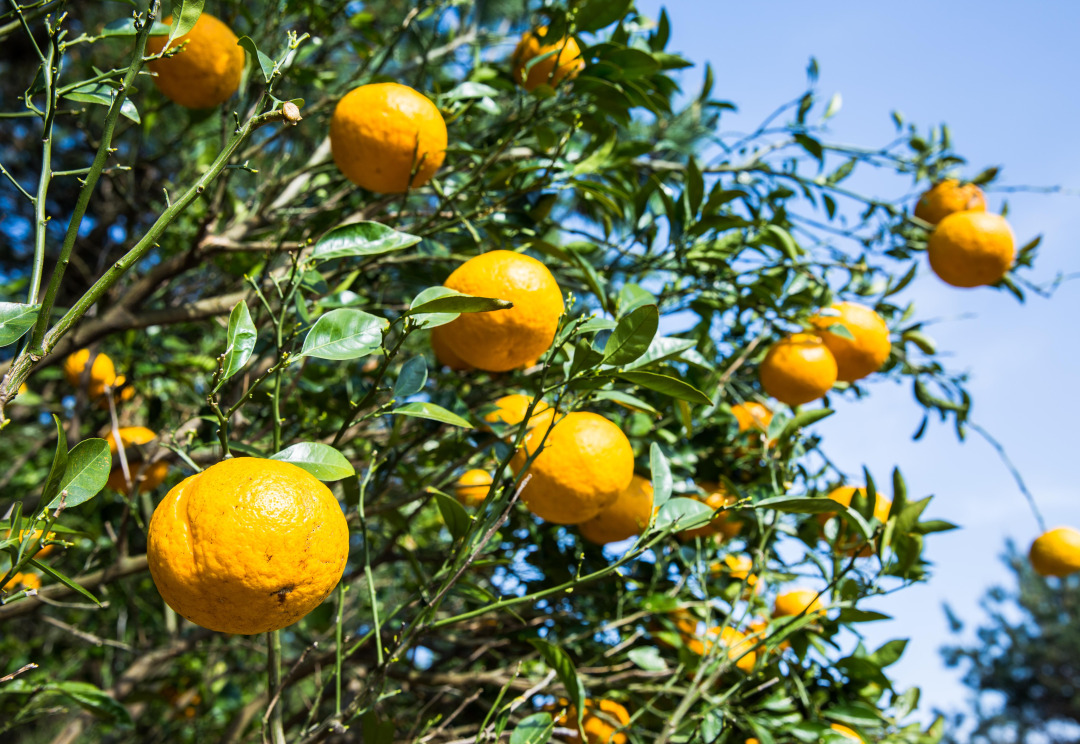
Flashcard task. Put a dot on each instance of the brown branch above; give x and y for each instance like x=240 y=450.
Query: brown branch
x=124 y=567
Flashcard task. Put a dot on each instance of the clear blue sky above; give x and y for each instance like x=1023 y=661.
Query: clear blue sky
x=1002 y=75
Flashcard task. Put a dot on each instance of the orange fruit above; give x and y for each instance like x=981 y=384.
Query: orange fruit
x=949 y=196
x=472 y=487
x=851 y=543
x=22 y=580
x=849 y=733
x=723 y=524
x=102 y=371
x=798 y=601
x=855 y=358
x=35 y=535
x=752 y=741
x=564 y=62
x=625 y=517
x=383 y=132
x=502 y=340
x=751 y=414
x=247 y=546
x=600 y=721
x=1056 y=553
x=584 y=465
x=444 y=355
x=510 y=410
x=735 y=641
x=738 y=567
x=206 y=70
x=971 y=249
x=151 y=475
x=798 y=369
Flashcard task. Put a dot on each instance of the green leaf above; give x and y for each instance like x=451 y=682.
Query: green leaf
x=454 y=515
x=432 y=412
x=432 y=320
x=344 y=334
x=805 y=505
x=536 y=729
x=648 y=658
x=780 y=238
x=241 y=342
x=686 y=513
x=661 y=347
x=851 y=615
x=361 y=239
x=597 y=14
x=560 y=661
x=85 y=474
x=933 y=525
x=457 y=303
x=64 y=579
x=93 y=700
x=59 y=463
x=803 y=419
x=661 y=475
x=185 y=13
x=669 y=386
x=841 y=330
x=15 y=320
x=626 y=400
x=321 y=460
x=632 y=336
x=889 y=653
x=411 y=379
x=126 y=27
x=265 y=63
x=104 y=95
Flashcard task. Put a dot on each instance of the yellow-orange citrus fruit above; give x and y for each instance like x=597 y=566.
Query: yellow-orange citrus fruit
x=502 y=340
x=738 y=567
x=563 y=63
x=798 y=369
x=949 y=196
x=383 y=132
x=751 y=415
x=247 y=546
x=600 y=721
x=584 y=465
x=151 y=475
x=752 y=741
x=510 y=410
x=1056 y=553
x=34 y=535
x=723 y=524
x=472 y=487
x=737 y=645
x=845 y=731
x=625 y=517
x=971 y=249
x=851 y=543
x=867 y=351
x=796 y=601
x=102 y=371
x=207 y=69
x=444 y=355
x=22 y=580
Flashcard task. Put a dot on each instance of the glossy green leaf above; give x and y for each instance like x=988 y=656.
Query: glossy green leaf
x=240 y=341
x=632 y=336
x=361 y=239
x=669 y=386
x=662 y=480
x=411 y=379
x=802 y=420
x=457 y=303
x=454 y=515
x=432 y=412
x=85 y=474
x=59 y=463
x=648 y=658
x=560 y=661
x=344 y=334
x=15 y=320
x=535 y=729
x=95 y=701
x=185 y=13
x=266 y=65
x=321 y=460
x=661 y=347
x=597 y=14
x=64 y=579
x=683 y=513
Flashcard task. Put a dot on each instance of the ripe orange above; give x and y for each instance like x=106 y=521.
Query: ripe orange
x=736 y=643
x=151 y=475
x=502 y=340
x=247 y=546
x=600 y=721
x=972 y=249
x=738 y=567
x=586 y=462
x=383 y=132
x=851 y=543
x=798 y=369
x=510 y=410
x=796 y=602
x=472 y=487
x=207 y=69
x=949 y=196
x=1056 y=553
x=625 y=517
x=102 y=371
x=564 y=63
x=846 y=731
x=723 y=524
x=22 y=580
x=444 y=355
x=751 y=414
x=855 y=358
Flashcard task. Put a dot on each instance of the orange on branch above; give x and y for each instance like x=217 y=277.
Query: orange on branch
x=206 y=70
x=1056 y=552
x=947 y=197
x=972 y=249
x=865 y=353
x=563 y=62
x=625 y=517
x=798 y=369
x=472 y=487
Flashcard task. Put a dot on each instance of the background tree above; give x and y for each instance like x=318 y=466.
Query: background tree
x=203 y=251
x=1023 y=670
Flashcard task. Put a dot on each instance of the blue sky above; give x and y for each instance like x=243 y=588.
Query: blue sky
x=1001 y=75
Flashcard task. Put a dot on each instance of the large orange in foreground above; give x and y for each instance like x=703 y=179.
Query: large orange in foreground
x=972 y=249
x=863 y=354
x=502 y=340
x=947 y=197
x=247 y=546
x=584 y=465
x=207 y=69
x=382 y=133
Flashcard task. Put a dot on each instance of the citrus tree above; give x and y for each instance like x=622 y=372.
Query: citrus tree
x=479 y=308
